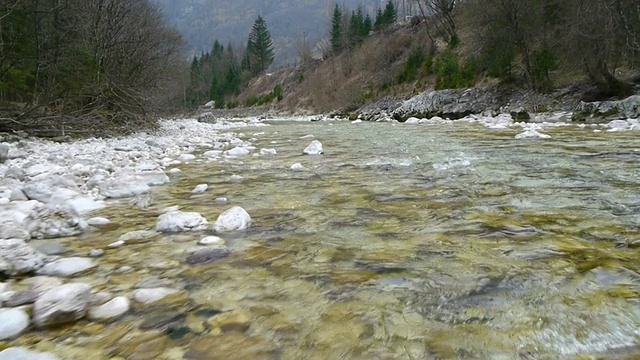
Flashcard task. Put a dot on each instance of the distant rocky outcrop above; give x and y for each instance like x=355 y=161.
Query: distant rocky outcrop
x=628 y=108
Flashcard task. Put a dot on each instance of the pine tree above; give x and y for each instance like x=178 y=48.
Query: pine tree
x=260 y=46
x=390 y=14
x=336 y=30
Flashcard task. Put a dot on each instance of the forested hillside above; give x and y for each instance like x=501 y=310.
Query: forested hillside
x=203 y=21
x=106 y=63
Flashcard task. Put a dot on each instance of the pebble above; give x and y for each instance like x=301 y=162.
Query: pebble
x=94 y=253
x=211 y=240
x=115 y=245
x=201 y=188
x=98 y=221
x=112 y=309
x=298 y=167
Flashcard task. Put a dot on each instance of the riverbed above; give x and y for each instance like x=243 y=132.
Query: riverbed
x=402 y=241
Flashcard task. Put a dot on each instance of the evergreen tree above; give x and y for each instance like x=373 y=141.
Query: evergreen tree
x=367 y=26
x=336 y=30
x=378 y=24
x=390 y=14
x=260 y=46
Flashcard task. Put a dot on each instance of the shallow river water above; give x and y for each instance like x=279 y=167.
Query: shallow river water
x=400 y=242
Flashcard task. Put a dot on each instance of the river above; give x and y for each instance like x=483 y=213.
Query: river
x=433 y=241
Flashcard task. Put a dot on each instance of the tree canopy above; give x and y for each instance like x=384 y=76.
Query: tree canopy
x=260 y=46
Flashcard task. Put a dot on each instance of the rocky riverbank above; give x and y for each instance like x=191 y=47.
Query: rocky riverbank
x=48 y=191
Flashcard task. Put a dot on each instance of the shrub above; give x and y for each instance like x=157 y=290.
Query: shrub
x=450 y=74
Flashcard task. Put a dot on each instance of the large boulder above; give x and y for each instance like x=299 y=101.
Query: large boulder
x=54 y=221
x=234 y=219
x=178 y=221
x=450 y=103
x=628 y=108
x=62 y=305
x=17 y=258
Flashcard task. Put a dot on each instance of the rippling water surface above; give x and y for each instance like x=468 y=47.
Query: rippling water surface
x=401 y=242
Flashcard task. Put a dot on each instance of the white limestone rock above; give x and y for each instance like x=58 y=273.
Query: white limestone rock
x=238 y=152
x=211 y=241
x=298 y=167
x=178 y=221
x=67 y=267
x=61 y=305
x=124 y=187
x=268 y=152
x=532 y=134
x=48 y=221
x=19 y=353
x=110 y=310
x=13 y=322
x=200 y=189
x=315 y=148
x=98 y=221
x=185 y=158
x=151 y=295
x=154 y=178
x=412 y=121
x=17 y=258
x=234 y=219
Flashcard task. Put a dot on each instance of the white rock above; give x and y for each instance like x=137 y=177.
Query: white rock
x=307 y=137
x=84 y=204
x=16 y=257
x=147 y=296
x=199 y=189
x=187 y=158
x=357 y=121
x=221 y=200
x=137 y=236
x=268 y=152
x=154 y=178
x=12 y=323
x=212 y=153
x=315 y=148
x=98 y=221
x=175 y=171
x=112 y=309
x=237 y=152
x=532 y=134
x=234 y=219
x=211 y=240
x=618 y=125
x=412 y=120
x=62 y=304
x=115 y=245
x=18 y=353
x=298 y=167
x=124 y=187
x=94 y=253
x=178 y=221
x=52 y=221
x=41 y=284
x=67 y=267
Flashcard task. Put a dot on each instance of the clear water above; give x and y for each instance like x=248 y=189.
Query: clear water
x=401 y=242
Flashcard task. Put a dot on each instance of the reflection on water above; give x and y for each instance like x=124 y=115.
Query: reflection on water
x=408 y=242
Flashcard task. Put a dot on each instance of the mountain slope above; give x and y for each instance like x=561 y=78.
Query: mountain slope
x=203 y=21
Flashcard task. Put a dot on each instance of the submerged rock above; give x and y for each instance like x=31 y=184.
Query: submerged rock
x=234 y=219
x=207 y=256
x=151 y=295
x=238 y=152
x=12 y=323
x=315 y=148
x=298 y=167
x=178 y=221
x=211 y=240
x=61 y=305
